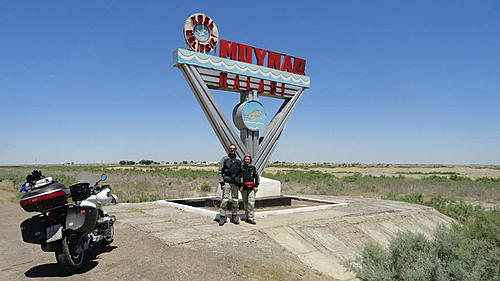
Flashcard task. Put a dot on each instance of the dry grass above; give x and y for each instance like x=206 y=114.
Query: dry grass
x=7 y=191
x=134 y=184
x=468 y=171
x=146 y=183
x=375 y=187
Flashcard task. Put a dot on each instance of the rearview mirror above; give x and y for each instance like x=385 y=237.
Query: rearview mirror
x=104 y=177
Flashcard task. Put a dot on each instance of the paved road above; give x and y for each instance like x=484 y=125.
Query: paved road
x=134 y=256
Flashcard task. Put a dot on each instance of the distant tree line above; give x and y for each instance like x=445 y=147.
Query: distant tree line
x=148 y=162
x=152 y=162
x=142 y=162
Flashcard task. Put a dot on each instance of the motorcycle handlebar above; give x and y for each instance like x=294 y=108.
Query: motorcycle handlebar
x=98 y=188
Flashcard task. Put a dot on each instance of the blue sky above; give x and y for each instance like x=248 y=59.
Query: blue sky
x=392 y=81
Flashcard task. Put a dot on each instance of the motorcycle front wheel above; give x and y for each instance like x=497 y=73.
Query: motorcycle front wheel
x=70 y=255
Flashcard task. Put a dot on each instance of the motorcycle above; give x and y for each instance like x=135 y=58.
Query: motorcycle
x=67 y=228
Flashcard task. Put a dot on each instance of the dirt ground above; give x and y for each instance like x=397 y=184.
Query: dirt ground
x=135 y=255
x=132 y=257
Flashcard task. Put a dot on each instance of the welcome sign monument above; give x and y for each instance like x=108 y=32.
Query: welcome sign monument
x=252 y=72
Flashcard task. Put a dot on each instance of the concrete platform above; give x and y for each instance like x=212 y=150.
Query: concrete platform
x=321 y=239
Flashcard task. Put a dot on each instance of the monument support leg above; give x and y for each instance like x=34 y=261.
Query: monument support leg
x=213 y=112
x=250 y=138
x=274 y=130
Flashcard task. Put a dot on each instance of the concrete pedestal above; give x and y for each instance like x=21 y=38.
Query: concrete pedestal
x=267 y=188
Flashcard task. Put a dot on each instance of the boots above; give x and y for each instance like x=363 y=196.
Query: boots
x=222 y=220
x=235 y=219
x=250 y=221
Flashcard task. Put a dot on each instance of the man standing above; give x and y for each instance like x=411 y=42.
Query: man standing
x=230 y=180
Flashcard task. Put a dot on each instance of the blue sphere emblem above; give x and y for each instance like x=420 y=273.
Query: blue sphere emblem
x=254 y=116
x=201 y=32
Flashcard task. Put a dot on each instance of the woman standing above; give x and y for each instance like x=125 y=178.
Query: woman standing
x=250 y=186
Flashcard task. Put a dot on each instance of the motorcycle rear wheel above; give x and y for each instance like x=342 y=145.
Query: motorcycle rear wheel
x=68 y=255
x=109 y=235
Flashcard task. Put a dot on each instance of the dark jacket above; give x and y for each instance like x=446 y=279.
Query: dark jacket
x=230 y=170
x=249 y=174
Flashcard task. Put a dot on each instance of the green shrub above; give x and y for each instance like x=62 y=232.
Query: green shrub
x=17 y=179
x=375 y=264
x=456 y=209
x=450 y=255
x=205 y=187
x=467 y=251
x=316 y=182
x=353 y=178
x=488 y=180
x=485 y=225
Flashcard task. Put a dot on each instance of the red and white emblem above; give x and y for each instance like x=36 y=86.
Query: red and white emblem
x=201 y=33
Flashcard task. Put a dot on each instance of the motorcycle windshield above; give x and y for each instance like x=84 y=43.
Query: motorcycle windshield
x=86 y=177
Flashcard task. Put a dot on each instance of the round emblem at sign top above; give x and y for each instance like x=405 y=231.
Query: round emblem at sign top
x=201 y=33
x=249 y=115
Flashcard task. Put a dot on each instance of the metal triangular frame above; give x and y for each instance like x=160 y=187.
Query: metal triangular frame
x=223 y=129
x=274 y=130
